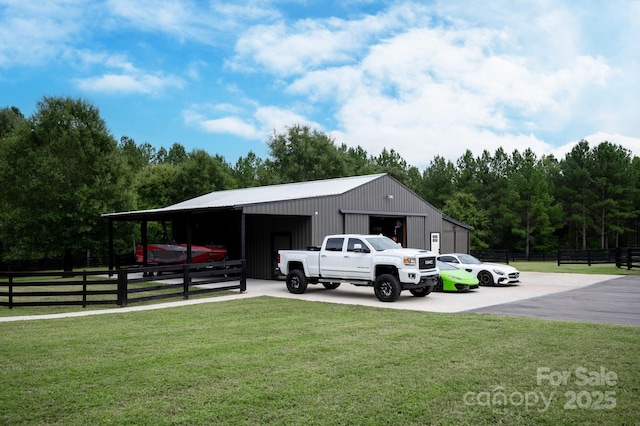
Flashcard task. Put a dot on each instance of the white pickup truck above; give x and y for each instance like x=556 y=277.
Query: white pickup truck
x=362 y=260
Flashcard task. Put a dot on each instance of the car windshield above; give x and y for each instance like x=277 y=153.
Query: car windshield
x=468 y=259
x=382 y=243
x=443 y=266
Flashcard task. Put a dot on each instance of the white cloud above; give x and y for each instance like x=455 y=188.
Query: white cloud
x=230 y=125
x=291 y=49
x=32 y=33
x=276 y=49
x=191 y=20
x=122 y=76
x=278 y=119
x=230 y=119
x=489 y=77
x=439 y=88
x=129 y=83
x=175 y=17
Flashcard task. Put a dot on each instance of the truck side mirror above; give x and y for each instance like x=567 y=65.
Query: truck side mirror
x=358 y=248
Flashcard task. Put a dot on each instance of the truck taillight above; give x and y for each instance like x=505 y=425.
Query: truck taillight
x=278 y=258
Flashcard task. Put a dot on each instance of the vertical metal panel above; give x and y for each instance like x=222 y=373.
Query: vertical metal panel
x=416 y=233
x=260 y=228
x=462 y=240
x=356 y=224
x=448 y=241
x=454 y=238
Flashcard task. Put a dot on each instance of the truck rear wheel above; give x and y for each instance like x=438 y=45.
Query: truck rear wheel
x=387 y=288
x=296 y=282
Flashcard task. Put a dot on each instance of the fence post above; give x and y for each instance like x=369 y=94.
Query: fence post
x=629 y=264
x=11 y=291
x=84 y=289
x=186 y=281
x=122 y=287
x=243 y=277
x=558 y=257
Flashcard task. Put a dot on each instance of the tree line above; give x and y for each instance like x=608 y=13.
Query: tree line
x=60 y=169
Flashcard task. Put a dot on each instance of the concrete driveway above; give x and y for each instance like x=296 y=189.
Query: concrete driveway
x=614 y=301
x=574 y=297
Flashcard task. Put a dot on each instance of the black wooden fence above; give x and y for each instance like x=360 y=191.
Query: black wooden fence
x=506 y=255
x=119 y=287
x=632 y=258
x=621 y=257
x=590 y=257
x=493 y=255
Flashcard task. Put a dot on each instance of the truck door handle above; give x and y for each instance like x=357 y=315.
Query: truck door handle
x=346 y=256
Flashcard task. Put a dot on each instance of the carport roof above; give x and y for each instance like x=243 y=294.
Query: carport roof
x=235 y=198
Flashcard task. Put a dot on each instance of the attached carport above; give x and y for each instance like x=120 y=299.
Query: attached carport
x=192 y=227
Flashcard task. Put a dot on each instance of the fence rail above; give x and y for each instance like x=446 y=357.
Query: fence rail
x=120 y=287
x=633 y=257
x=589 y=257
x=57 y=263
x=495 y=255
x=621 y=257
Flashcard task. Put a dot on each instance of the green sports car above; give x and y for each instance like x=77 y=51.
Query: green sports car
x=454 y=279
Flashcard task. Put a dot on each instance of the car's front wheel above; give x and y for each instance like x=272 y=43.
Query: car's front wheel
x=387 y=288
x=296 y=282
x=485 y=278
x=439 y=285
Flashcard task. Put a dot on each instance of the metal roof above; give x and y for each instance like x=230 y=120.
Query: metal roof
x=262 y=194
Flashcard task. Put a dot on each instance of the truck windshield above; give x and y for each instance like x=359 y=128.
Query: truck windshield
x=382 y=243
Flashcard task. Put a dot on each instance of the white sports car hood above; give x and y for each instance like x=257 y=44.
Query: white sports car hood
x=502 y=267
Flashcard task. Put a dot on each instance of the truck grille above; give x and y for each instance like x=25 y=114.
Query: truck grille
x=427 y=262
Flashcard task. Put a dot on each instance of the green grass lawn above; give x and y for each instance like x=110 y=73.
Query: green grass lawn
x=280 y=361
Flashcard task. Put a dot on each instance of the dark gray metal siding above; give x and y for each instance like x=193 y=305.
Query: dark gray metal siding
x=260 y=254
x=326 y=217
x=455 y=239
x=417 y=237
x=356 y=223
x=310 y=220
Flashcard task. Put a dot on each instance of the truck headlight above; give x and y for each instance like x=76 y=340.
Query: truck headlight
x=409 y=261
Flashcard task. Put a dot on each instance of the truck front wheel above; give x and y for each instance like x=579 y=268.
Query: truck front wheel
x=422 y=291
x=387 y=288
x=296 y=282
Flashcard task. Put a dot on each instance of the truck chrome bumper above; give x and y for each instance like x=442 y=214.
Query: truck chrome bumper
x=429 y=279
x=414 y=277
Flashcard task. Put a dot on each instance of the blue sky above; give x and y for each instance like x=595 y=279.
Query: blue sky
x=425 y=78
